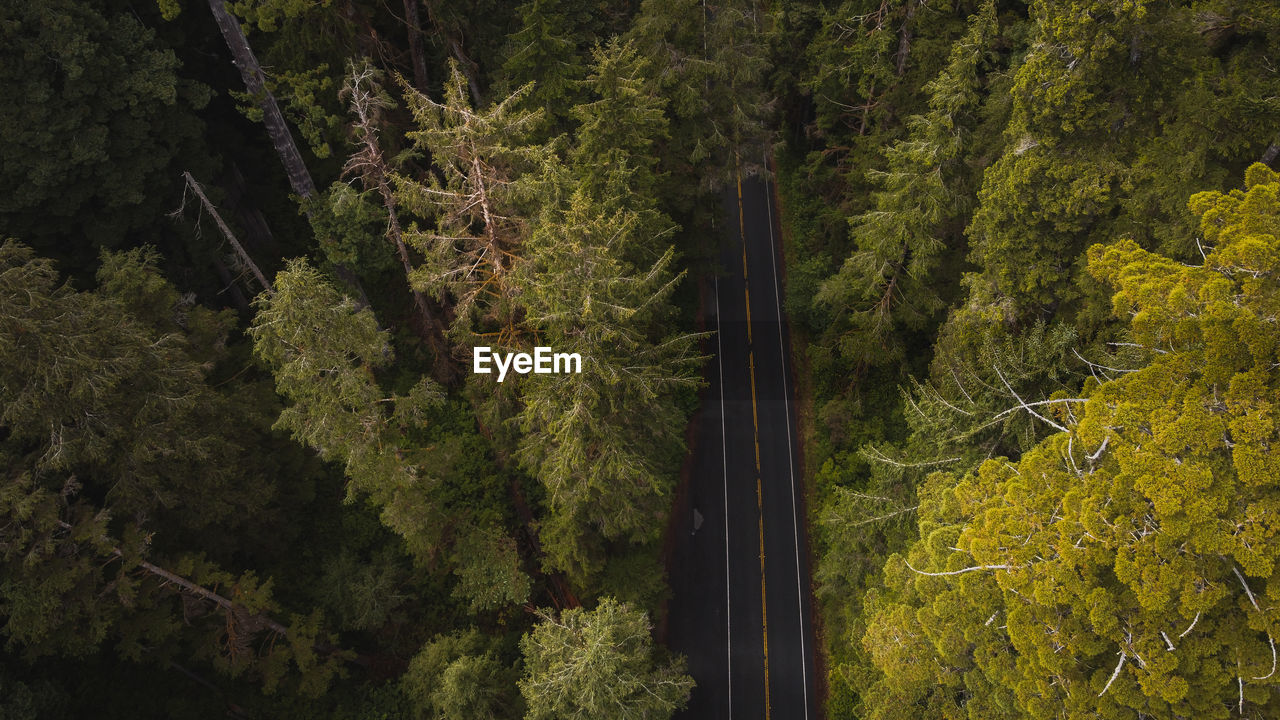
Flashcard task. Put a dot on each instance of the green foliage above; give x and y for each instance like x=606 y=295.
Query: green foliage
x=889 y=283
x=475 y=229
x=104 y=415
x=598 y=664
x=489 y=572
x=544 y=54
x=89 y=88
x=121 y=403
x=604 y=442
x=1121 y=566
x=462 y=676
x=323 y=353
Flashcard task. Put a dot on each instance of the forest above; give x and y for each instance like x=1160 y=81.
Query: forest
x=1032 y=280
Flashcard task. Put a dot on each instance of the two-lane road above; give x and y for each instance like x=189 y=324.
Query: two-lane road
x=740 y=589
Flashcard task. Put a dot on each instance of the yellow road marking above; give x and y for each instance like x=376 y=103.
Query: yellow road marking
x=751 y=365
x=755 y=415
x=764 y=602
x=755 y=423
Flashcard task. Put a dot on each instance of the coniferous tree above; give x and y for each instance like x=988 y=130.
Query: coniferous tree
x=106 y=424
x=544 y=53
x=603 y=442
x=1123 y=565
x=888 y=285
x=474 y=230
x=325 y=355
x=597 y=664
x=737 y=122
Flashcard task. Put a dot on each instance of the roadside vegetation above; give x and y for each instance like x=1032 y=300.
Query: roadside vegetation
x=1031 y=260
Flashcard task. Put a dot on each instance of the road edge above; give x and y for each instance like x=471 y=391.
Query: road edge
x=803 y=406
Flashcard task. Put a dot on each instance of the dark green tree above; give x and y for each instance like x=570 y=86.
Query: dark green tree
x=889 y=284
x=96 y=115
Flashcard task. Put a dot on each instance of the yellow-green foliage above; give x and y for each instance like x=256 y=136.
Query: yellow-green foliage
x=1127 y=567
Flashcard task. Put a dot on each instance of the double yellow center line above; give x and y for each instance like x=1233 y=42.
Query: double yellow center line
x=755 y=423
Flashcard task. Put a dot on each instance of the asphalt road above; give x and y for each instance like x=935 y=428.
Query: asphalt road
x=740 y=590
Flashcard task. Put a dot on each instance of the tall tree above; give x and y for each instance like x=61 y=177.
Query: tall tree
x=598 y=664
x=603 y=442
x=462 y=676
x=737 y=125
x=888 y=285
x=1124 y=565
x=469 y=248
x=368 y=101
x=326 y=355
x=622 y=128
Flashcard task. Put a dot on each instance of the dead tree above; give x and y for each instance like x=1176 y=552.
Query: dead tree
x=281 y=138
x=367 y=101
x=417 y=55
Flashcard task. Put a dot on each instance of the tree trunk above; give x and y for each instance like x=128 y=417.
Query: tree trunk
x=251 y=72
x=416 y=53
x=226 y=232
x=1271 y=152
x=904 y=38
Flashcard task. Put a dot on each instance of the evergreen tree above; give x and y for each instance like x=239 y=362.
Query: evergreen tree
x=737 y=121
x=598 y=664
x=614 y=155
x=889 y=284
x=105 y=423
x=461 y=676
x=324 y=354
x=1123 y=565
x=469 y=248
x=544 y=54
x=604 y=442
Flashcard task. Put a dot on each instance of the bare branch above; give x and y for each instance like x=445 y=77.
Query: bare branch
x=957 y=572
x=1022 y=403
x=1190 y=627
x=1114 y=674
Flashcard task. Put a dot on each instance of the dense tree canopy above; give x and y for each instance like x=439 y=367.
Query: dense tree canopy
x=249 y=248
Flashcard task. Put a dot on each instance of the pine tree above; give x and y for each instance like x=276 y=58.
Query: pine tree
x=470 y=248
x=597 y=664
x=603 y=441
x=614 y=159
x=738 y=135
x=324 y=354
x=889 y=284
x=544 y=54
